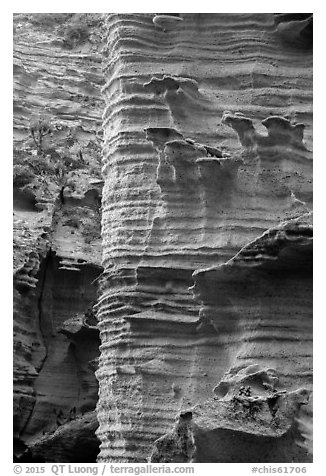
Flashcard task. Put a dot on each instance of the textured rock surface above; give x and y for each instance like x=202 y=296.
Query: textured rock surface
x=205 y=264
x=57 y=246
x=207 y=148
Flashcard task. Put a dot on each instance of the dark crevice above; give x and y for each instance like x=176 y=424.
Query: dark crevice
x=41 y=284
x=287 y=17
x=43 y=278
x=61 y=197
x=273 y=404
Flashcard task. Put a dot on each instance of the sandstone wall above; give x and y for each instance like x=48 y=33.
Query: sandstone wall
x=207 y=169
x=57 y=244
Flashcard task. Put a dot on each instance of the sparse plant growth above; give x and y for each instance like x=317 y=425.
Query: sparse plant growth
x=56 y=162
x=78 y=29
x=73 y=28
x=39 y=129
x=75 y=35
x=245 y=403
x=48 y=20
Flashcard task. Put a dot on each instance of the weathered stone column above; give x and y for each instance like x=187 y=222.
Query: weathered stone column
x=205 y=151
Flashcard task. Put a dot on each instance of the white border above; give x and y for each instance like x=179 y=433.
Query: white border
x=123 y=6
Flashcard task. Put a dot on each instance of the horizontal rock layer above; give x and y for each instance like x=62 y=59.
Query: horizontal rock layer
x=207 y=144
x=259 y=305
x=57 y=247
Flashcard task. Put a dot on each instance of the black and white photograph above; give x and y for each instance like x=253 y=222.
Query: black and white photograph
x=162 y=240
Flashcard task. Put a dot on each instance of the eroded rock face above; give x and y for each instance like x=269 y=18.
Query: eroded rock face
x=205 y=299
x=262 y=395
x=57 y=246
x=207 y=169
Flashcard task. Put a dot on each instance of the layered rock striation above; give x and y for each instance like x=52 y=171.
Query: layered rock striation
x=261 y=408
x=207 y=168
x=57 y=246
x=195 y=240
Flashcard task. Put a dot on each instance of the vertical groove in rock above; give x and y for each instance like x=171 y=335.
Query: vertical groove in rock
x=40 y=303
x=204 y=150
